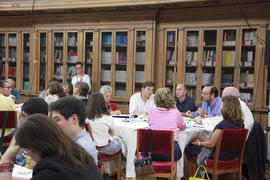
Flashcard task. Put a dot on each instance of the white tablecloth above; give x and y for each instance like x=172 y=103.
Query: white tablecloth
x=128 y=131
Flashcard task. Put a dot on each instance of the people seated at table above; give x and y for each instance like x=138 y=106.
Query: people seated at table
x=44 y=93
x=68 y=89
x=232 y=119
x=106 y=91
x=246 y=113
x=101 y=124
x=69 y=113
x=141 y=102
x=6 y=103
x=165 y=117
x=15 y=92
x=81 y=91
x=55 y=91
x=80 y=77
x=33 y=105
x=57 y=156
x=183 y=101
x=211 y=105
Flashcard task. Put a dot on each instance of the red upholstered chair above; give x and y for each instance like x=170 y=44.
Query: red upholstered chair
x=105 y=158
x=11 y=122
x=230 y=140
x=162 y=143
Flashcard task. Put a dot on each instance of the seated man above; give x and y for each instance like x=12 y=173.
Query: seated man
x=15 y=92
x=246 y=113
x=184 y=102
x=141 y=102
x=69 y=113
x=211 y=105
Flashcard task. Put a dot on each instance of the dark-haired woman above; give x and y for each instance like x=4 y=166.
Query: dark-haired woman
x=58 y=157
x=101 y=125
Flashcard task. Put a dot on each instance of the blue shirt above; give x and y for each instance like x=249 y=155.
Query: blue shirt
x=211 y=110
x=85 y=141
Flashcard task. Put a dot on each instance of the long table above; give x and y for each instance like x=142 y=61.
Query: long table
x=127 y=130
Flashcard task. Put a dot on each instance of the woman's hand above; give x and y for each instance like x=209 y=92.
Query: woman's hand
x=11 y=152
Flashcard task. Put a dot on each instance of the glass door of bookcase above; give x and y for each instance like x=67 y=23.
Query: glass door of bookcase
x=12 y=55
x=2 y=55
x=58 y=52
x=247 y=64
x=26 y=61
x=121 y=51
x=88 y=56
x=209 y=56
x=72 y=54
x=228 y=57
x=43 y=61
x=192 y=48
x=171 y=60
x=140 y=49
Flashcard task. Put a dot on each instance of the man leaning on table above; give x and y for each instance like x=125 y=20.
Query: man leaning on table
x=211 y=105
x=141 y=102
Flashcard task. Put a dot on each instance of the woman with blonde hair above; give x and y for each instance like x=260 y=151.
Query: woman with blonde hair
x=165 y=117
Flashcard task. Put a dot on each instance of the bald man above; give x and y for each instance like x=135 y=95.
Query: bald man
x=15 y=92
x=246 y=113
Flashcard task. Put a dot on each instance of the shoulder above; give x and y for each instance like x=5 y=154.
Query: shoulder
x=86 y=76
x=135 y=96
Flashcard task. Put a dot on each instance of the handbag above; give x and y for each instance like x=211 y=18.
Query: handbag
x=195 y=175
x=144 y=166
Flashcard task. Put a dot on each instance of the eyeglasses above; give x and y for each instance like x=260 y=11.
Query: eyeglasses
x=205 y=93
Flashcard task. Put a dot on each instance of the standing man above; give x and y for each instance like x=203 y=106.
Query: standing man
x=184 y=102
x=15 y=92
x=69 y=113
x=246 y=113
x=141 y=102
x=80 y=77
x=211 y=105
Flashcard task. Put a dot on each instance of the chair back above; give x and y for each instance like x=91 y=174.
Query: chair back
x=162 y=141
x=11 y=119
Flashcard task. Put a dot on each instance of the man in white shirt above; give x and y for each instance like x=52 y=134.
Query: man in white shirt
x=141 y=102
x=246 y=113
x=80 y=77
x=69 y=113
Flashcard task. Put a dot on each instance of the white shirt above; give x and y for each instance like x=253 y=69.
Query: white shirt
x=84 y=78
x=100 y=129
x=247 y=116
x=136 y=103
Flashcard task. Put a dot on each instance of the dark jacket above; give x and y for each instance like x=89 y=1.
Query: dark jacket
x=255 y=152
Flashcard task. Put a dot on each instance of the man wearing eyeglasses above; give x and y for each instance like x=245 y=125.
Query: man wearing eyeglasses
x=211 y=105
x=6 y=103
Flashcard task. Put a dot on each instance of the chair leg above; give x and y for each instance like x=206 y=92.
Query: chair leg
x=119 y=169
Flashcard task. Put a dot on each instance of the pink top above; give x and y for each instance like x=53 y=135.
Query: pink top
x=166 y=120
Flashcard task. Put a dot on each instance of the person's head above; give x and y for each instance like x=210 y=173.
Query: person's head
x=230 y=91
x=209 y=93
x=231 y=110
x=5 y=88
x=96 y=106
x=11 y=83
x=56 y=88
x=147 y=89
x=34 y=105
x=107 y=93
x=69 y=113
x=68 y=88
x=79 y=68
x=43 y=138
x=163 y=98
x=81 y=89
x=181 y=91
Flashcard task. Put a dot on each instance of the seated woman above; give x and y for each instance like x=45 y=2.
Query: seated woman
x=81 y=91
x=165 y=117
x=68 y=89
x=232 y=119
x=101 y=125
x=57 y=156
x=106 y=91
x=55 y=91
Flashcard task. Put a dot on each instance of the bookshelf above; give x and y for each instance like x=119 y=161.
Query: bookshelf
x=58 y=55
x=72 y=54
x=43 y=61
x=88 y=54
x=12 y=56
x=26 y=61
x=2 y=55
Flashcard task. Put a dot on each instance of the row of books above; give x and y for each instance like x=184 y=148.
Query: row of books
x=226 y=79
x=246 y=79
x=121 y=39
x=72 y=57
x=246 y=97
x=192 y=39
x=26 y=70
x=11 y=71
x=170 y=59
x=171 y=38
x=209 y=55
x=249 y=38
x=88 y=57
x=140 y=41
x=191 y=78
x=170 y=76
x=58 y=72
x=120 y=76
x=191 y=92
x=58 y=56
x=107 y=39
x=121 y=57
x=120 y=92
x=72 y=39
x=42 y=71
x=228 y=58
x=191 y=56
x=2 y=40
x=12 y=41
x=247 y=56
x=207 y=78
x=58 y=40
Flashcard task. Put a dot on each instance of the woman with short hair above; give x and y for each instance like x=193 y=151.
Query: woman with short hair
x=106 y=91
